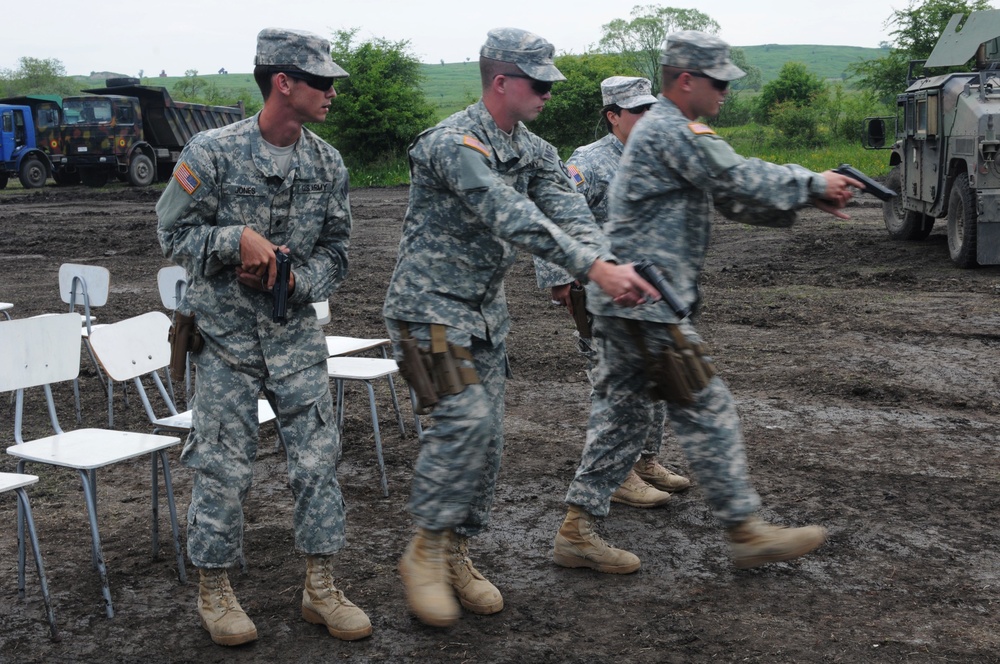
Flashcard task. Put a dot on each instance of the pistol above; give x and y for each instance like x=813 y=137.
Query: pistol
x=184 y=338
x=872 y=187
x=280 y=291
x=650 y=273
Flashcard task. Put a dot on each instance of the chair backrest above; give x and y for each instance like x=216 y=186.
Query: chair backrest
x=172 y=282
x=133 y=347
x=39 y=351
x=322 y=311
x=84 y=284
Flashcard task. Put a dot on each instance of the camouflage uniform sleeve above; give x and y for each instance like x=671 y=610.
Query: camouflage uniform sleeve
x=186 y=214
x=326 y=268
x=548 y=275
x=465 y=170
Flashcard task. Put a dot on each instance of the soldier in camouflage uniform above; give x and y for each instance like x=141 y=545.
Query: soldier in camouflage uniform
x=672 y=170
x=481 y=184
x=238 y=194
x=592 y=167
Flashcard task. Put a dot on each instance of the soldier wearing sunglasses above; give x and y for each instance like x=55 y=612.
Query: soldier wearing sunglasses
x=673 y=172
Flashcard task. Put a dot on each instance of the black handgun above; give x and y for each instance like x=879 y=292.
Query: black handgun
x=872 y=187
x=650 y=273
x=280 y=291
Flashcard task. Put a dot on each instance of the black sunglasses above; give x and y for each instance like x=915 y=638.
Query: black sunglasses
x=716 y=83
x=321 y=83
x=540 y=87
x=639 y=110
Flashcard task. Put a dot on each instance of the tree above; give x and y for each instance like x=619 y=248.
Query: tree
x=640 y=39
x=37 y=76
x=753 y=79
x=917 y=29
x=572 y=116
x=192 y=87
x=380 y=108
x=795 y=87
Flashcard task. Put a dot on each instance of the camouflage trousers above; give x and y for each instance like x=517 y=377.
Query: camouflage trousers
x=622 y=416
x=222 y=447
x=454 y=479
x=655 y=441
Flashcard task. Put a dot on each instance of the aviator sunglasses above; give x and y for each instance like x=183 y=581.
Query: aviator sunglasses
x=716 y=83
x=540 y=87
x=321 y=83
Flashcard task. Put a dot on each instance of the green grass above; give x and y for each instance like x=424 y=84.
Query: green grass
x=828 y=62
x=762 y=142
x=450 y=87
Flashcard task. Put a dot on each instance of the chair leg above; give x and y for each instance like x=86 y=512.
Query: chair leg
x=76 y=400
x=416 y=417
x=340 y=405
x=395 y=404
x=155 y=502
x=378 y=438
x=102 y=570
x=24 y=518
x=172 y=506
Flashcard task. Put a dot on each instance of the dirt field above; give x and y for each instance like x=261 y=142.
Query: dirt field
x=865 y=374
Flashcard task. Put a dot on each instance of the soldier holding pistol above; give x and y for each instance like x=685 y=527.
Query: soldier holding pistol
x=661 y=203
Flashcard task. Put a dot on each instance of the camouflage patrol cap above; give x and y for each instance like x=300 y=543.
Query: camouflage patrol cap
x=280 y=47
x=698 y=51
x=627 y=91
x=531 y=53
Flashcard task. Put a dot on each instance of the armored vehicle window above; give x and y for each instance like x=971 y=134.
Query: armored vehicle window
x=87 y=111
x=922 y=117
x=910 y=121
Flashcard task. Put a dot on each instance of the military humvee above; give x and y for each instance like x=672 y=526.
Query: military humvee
x=946 y=142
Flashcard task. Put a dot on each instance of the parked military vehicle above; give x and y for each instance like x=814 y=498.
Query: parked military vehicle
x=20 y=156
x=947 y=136
x=132 y=132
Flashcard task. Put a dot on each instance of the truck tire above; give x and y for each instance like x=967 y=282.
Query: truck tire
x=94 y=177
x=901 y=223
x=962 y=220
x=32 y=173
x=3 y=180
x=141 y=171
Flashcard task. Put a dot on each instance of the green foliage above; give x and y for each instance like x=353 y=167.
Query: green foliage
x=639 y=40
x=380 y=107
x=572 y=116
x=798 y=124
x=36 y=76
x=917 y=28
x=795 y=85
x=737 y=110
x=753 y=79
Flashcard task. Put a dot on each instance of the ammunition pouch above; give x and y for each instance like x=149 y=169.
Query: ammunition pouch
x=184 y=338
x=578 y=300
x=676 y=373
x=434 y=373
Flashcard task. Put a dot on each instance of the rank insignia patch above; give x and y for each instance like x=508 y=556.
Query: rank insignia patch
x=475 y=144
x=186 y=178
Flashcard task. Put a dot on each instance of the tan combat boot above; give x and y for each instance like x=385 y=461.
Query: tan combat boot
x=474 y=592
x=755 y=542
x=650 y=471
x=323 y=604
x=427 y=578
x=636 y=493
x=577 y=545
x=220 y=613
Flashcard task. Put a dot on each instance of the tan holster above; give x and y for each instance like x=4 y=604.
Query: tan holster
x=578 y=300
x=184 y=338
x=677 y=373
x=435 y=372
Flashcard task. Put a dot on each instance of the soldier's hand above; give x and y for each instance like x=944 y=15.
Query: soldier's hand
x=560 y=296
x=838 y=193
x=622 y=283
x=258 y=266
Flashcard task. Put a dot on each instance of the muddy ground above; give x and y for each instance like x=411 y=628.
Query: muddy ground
x=865 y=371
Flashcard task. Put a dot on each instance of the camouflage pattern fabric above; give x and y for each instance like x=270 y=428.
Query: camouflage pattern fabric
x=226 y=180
x=222 y=446
x=531 y=53
x=280 y=47
x=708 y=431
x=476 y=194
x=660 y=208
x=454 y=478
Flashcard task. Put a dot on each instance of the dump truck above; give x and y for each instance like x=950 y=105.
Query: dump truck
x=45 y=147
x=947 y=135
x=132 y=132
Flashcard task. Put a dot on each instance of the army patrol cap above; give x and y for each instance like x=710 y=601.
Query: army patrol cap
x=531 y=53
x=280 y=47
x=627 y=91
x=698 y=51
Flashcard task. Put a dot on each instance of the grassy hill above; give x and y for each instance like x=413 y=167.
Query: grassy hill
x=452 y=86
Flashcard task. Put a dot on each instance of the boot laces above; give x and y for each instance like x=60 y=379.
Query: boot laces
x=225 y=598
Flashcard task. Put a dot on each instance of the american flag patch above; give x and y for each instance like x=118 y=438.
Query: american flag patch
x=575 y=174
x=475 y=144
x=699 y=128
x=186 y=178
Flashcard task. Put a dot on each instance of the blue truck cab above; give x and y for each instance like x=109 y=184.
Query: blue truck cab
x=20 y=156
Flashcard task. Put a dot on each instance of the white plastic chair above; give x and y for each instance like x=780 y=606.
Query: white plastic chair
x=5 y=308
x=89 y=286
x=16 y=482
x=44 y=350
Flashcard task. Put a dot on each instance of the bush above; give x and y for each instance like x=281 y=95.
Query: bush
x=799 y=125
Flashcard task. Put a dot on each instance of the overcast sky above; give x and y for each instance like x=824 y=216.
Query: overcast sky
x=208 y=34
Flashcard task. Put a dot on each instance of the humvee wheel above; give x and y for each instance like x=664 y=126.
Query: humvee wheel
x=901 y=223
x=962 y=219
x=33 y=173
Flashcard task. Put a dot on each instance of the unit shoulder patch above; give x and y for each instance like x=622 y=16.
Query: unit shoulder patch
x=575 y=175
x=476 y=144
x=700 y=128
x=186 y=178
